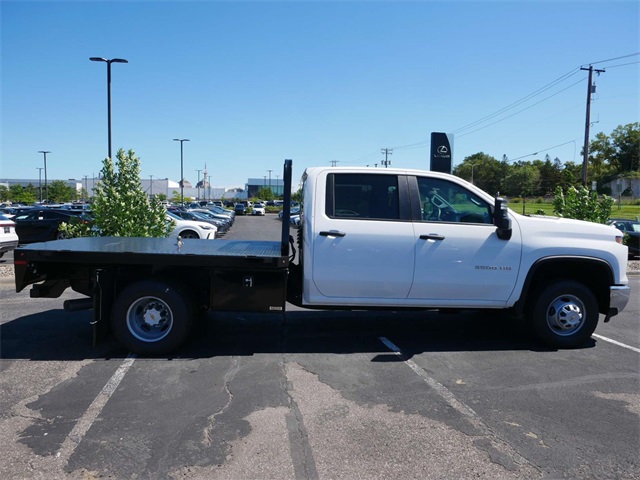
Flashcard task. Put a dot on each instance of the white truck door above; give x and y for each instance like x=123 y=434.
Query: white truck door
x=362 y=248
x=459 y=258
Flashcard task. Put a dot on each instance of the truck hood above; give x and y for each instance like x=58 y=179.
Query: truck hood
x=567 y=228
x=554 y=236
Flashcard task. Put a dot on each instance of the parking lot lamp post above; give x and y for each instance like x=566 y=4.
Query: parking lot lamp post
x=198 y=184
x=40 y=182
x=46 y=187
x=209 y=187
x=108 y=62
x=472 y=167
x=150 y=187
x=181 y=140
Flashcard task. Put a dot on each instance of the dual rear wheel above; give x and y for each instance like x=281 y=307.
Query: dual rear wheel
x=152 y=317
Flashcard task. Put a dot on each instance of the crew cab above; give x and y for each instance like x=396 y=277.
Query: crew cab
x=368 y=239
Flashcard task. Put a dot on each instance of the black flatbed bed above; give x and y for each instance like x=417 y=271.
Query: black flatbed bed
x=157 y=251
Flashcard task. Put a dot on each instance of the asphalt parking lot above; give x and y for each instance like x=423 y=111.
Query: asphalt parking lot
x=316 y=395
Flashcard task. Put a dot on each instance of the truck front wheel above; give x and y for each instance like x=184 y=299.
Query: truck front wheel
x=564 y=314
x=151 y=317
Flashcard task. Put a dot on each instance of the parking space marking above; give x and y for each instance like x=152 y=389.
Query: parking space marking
x=615 y=342
x=83 y=425
x=443 y=391
x=459 y=406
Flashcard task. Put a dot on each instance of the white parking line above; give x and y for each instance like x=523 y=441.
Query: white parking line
x=615 y=342
x=460 y=407
x=82 y=426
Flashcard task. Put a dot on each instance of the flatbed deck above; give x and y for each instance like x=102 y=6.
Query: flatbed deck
x=156 y=250
x=55 y=258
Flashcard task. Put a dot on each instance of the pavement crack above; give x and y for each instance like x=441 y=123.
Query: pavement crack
x=228 y=378
x=304 y=464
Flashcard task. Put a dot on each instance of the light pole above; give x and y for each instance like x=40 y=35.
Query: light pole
x=198 y=184
x=150 y=186
x=85 y=188
x=209 y=187
x=40 y=182
x=46 y=187
x=181 y=140
x=108 y=62
x=472 y=167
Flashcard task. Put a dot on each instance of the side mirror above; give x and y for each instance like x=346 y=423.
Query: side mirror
x=501 y=219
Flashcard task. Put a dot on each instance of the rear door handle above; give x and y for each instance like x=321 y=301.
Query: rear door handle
x=332 y=233
x=432 y=236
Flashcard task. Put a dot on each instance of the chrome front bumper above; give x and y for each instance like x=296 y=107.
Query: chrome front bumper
x=618 y=299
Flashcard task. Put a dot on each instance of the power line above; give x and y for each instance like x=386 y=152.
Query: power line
x=543 y=150
x=612 y=59
x=620 y=65
x=526 y=108
x=522 y=100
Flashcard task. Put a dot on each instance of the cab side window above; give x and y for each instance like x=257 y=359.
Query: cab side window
x=444 y=201
x=362 y=196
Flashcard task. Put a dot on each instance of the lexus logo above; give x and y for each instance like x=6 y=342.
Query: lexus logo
x=442 y=150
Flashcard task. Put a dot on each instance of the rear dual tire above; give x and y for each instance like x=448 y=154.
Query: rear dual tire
x=152 y=317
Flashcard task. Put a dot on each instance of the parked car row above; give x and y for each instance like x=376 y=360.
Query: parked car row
x=30 y=224
x=8 y=235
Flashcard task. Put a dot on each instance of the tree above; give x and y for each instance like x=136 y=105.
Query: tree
x=60 y=192
x=297 y=196
x=265 y=193
x=550 y=175
x=121 y=207
x=488 y=172
x=4 y=193
x=20 y=194
x=523 y=179
x=621 y=151
x=582 y=204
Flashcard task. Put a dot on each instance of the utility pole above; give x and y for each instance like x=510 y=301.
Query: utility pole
x=590 y=89
x=270 y=180
x=387 y=151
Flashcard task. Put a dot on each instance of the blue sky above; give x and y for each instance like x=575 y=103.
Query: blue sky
x=253 y=83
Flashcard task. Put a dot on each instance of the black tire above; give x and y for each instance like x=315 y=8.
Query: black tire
x=152 y=317
x=189 y=234
x=564 y=314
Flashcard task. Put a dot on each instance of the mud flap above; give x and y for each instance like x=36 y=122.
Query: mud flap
x=104 y=283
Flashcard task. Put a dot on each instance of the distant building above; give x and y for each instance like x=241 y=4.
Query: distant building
x=624 y=186
x=155 y=186
x=255 y=184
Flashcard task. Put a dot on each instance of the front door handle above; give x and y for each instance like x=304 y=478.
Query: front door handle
x=332 y=233
x=432 y=236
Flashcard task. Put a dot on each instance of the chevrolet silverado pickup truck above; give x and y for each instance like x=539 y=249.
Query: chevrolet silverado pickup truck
x=368 y=238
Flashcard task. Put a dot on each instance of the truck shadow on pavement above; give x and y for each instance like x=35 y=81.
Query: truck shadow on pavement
x=59 y=335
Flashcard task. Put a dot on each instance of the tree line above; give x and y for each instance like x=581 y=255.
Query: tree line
x=610 y=157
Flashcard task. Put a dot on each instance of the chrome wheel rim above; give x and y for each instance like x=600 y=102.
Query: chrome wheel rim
x=149 y=319
x=566 y=315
